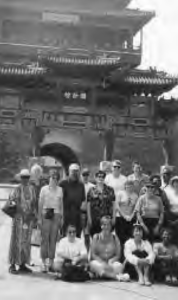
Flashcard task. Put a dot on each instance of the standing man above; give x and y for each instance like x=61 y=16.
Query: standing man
x=73 y=196
x=115 y=179
x=138 y=177
x=86 y=181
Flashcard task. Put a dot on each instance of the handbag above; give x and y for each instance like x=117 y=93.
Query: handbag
x=36 y=237
x=75 y=273
x=10 y=208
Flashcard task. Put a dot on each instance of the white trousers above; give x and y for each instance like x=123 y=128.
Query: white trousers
x=100 y=268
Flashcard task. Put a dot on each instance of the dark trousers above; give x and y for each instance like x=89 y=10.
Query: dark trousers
x=95 y=228
x=123 y=229
x=151 y=224
x=162 y=268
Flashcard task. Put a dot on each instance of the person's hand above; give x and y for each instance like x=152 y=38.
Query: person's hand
x=74 y=261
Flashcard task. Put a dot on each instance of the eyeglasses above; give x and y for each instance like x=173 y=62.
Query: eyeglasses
x=100 y=176
x=116 y=167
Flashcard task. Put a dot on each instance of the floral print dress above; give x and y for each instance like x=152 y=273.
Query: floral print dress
x=22 y=225
x=101 y=204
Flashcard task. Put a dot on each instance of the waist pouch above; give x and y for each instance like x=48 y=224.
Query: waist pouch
x=49 y=213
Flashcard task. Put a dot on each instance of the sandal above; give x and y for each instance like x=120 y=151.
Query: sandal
x=13 y=270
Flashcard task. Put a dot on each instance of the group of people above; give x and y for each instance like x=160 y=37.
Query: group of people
x=114 y=227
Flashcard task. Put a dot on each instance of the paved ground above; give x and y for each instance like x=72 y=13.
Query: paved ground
x=41 y=287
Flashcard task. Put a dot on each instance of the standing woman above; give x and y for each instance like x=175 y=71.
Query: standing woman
x=20 y=245
x=50 y=219
x=125 y=211
x=100 y=202
x=150 y=212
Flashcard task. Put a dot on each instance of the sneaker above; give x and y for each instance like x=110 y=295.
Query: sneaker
x=123 y=277
x=147 y=282
x=24 y=269
x=51 y=269
x=44 y=269
x=13 y=270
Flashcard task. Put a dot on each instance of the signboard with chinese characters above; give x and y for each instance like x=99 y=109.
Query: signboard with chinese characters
x=74 y=95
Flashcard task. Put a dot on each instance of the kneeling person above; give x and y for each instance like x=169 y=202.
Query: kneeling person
x=70 y=251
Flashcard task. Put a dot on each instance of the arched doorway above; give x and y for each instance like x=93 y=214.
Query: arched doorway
x=60 y=152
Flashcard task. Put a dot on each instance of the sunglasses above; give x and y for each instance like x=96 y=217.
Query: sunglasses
x=71 y=231
x=100 y=176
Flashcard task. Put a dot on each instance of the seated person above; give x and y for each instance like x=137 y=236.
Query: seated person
x=166 y=263
x=105 y=253
x=70 y=250
x=139 y=253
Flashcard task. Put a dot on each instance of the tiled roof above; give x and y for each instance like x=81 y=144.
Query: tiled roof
x=84 y=61
x=25 y=71
x=146 y=80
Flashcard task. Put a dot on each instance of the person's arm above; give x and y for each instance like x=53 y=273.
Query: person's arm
x=113 y=198
x=94 y=255
x=83 y=254
x=138 y=210
x=61 y=250
x=61 y=209
x=89 y=199
x=161 y=217
x=40 y=204
x=118 y=250
x=134 y=208
x=129 y=248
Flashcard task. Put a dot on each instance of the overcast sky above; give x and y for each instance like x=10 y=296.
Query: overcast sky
x=161 y=34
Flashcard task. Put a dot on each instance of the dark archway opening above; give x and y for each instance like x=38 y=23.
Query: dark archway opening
x=60 y=152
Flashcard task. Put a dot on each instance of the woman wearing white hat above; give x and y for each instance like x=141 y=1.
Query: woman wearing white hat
x=20 y=246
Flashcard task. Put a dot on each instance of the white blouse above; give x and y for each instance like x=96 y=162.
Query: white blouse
x=130 y=247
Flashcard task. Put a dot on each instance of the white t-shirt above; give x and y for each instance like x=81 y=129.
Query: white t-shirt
x=70 y=249
x=52 y=198
x=172 y=198
x=117 y=183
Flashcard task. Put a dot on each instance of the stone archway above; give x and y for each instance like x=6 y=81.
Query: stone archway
x=60 y=152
